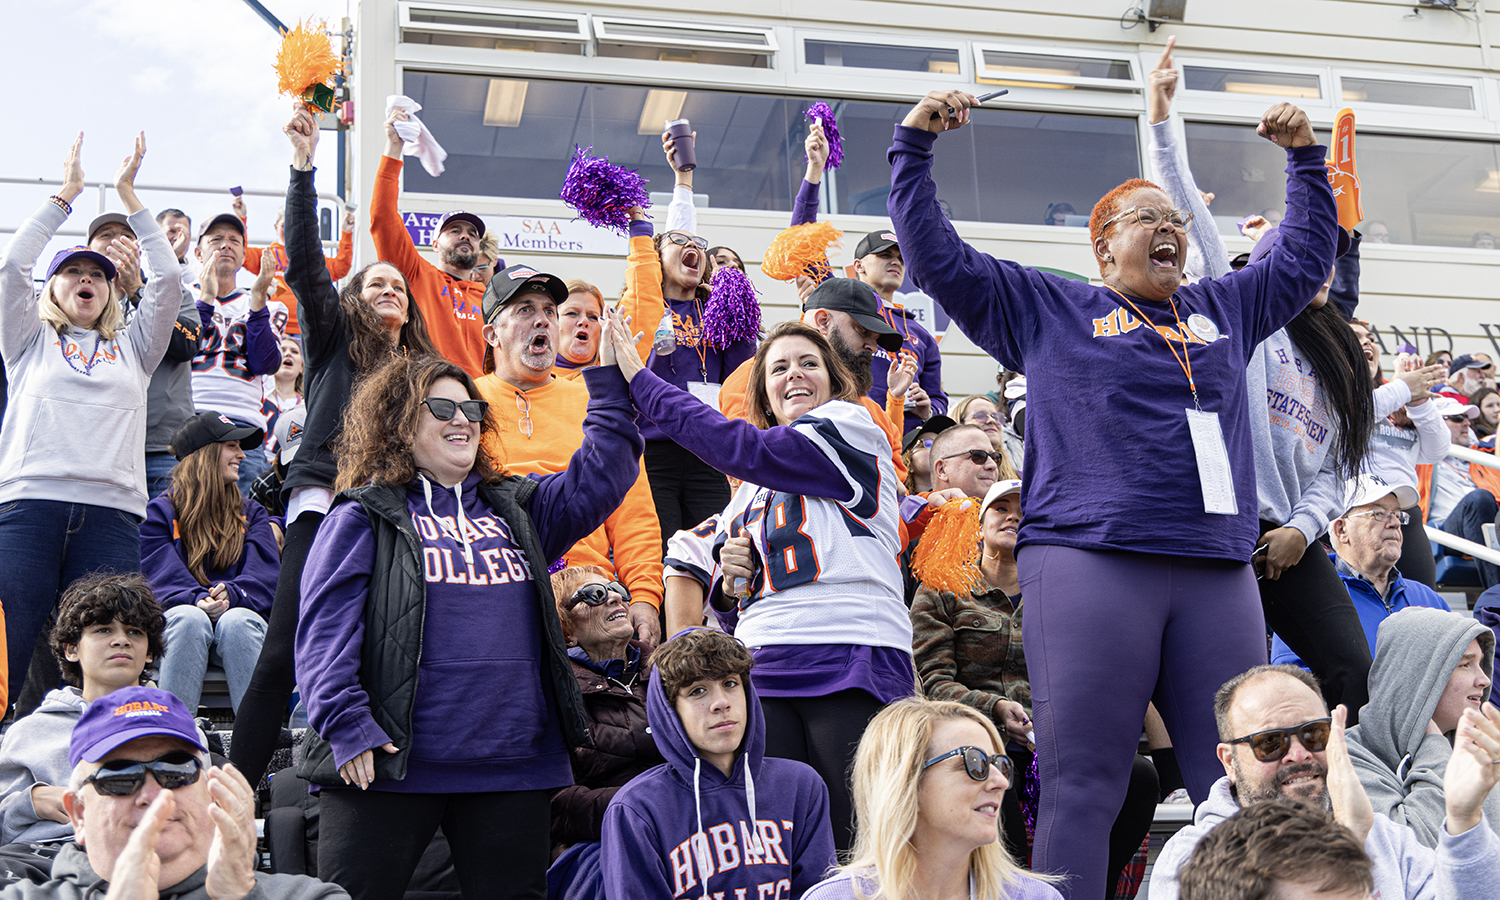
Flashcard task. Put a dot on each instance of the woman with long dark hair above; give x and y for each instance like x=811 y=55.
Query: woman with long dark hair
x=345 y=335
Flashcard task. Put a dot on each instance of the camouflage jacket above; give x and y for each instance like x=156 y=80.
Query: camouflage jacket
x=969 y=649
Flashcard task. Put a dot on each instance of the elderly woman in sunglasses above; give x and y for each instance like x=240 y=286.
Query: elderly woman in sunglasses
x=928 y=780
x=666 y=287
x=429 y=648
x=1153 y=495
x=611 y=670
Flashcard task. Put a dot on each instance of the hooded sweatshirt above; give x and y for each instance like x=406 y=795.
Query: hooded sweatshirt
x=74 y=879
x=1461 y=867
x=1399 y=763
x=682 y=829
x=35 y=751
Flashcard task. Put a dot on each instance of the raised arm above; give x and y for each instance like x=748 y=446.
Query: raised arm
x=343 y=259
x=151 y=330
x=642 y=301
x=306 y=273
x=1207 y=256
x=805 y=206
x=19 y=324
x=393 y=242
x=682 y=215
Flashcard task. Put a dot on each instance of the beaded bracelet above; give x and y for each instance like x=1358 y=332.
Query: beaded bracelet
x=62 y=204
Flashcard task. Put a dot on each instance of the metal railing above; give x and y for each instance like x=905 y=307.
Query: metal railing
x=1452 y=541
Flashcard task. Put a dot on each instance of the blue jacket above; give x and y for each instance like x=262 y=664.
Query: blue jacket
x=1371 y=608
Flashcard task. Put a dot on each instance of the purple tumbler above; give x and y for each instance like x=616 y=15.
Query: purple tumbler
x=681 y=133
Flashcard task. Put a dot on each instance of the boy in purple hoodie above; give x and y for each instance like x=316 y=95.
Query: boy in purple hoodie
x=684 y=829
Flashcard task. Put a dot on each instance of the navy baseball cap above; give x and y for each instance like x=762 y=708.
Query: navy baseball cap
x=457 y=215
x=127 y=714
x=858 y=300
x=73 y=253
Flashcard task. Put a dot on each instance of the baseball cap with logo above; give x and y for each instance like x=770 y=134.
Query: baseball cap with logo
x=129 y=713
x=874 y=242
x=210 y=428
x=73 y=253
x=860 y=302
x=457 y=215
x=998 y=490
x=288 y=431
x=1448 y=405
x=1368 y=488
x=506 y=285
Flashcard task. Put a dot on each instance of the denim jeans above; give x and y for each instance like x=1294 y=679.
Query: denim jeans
x=193 y=641
x=159 y=468
x=45 y=545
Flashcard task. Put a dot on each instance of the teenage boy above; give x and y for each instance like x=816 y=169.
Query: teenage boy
x=108 y=630
x=717 y=819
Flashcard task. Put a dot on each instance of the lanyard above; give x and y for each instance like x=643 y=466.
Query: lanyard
x=701 y=345
x=1183 y=361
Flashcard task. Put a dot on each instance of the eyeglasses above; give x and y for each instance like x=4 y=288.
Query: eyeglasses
x=598 y=594
x=682 y=240
x=123 y=777
x=1382 y=516
x=1269 y=746
x=925 y=443
x=976 y=762
x=983 y=416
x=523 y=406
x=977 y=457
x=1149 y=218
x=442 y=408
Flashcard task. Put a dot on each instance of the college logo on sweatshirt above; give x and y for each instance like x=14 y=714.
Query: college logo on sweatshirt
x=1200 y=329
x=726 y=847
x=488 y=565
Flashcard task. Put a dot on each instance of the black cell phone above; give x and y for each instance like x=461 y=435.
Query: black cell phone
x=1258 y=561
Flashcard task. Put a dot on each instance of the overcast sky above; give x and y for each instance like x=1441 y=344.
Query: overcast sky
x=196 y=75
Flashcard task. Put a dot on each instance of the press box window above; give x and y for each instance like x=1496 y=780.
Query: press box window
x=720 y=45
x=881 y=56
x=1045 y=70
x=1257 y=83
x=455 y=25
x=1406 y=93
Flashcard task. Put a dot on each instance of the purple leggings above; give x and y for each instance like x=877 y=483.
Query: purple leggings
x=1106 y=632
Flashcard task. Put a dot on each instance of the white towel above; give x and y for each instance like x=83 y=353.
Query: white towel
x=419 y=140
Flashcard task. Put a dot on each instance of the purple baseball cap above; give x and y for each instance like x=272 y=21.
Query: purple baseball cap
x=125 y=715
x=457 y=215
x=73 y=252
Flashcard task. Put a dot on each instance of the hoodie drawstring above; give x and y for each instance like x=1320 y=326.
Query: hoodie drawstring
x=755 y=842
x=463 y=525
x=700 y=839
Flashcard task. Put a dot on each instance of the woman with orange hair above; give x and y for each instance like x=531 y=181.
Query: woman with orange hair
x=1154 y=494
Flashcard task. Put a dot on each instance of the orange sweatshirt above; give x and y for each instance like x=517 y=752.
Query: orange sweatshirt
x=642 y=300
x=338 y=267
x=628 y=544
x=451 y=307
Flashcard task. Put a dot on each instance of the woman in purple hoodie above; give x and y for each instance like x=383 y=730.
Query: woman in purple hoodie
x=428 y=645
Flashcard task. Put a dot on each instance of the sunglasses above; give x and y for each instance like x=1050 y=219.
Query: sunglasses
x=976 y=762
x=682 y=240
x=1270 y=746
x=123 y=778
x=598 y=594
x=442 y=409
x=978 y=457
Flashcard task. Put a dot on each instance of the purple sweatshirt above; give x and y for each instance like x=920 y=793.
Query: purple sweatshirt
x=251 y=581
x=656 y=821
x=1125 y=476
x=916 y=340
x=484 y=718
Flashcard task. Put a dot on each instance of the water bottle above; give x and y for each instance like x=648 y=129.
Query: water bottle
x=665 y=342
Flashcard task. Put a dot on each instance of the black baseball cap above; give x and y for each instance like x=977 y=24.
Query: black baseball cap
x=874 y=242
x=506 y=285
x=211 y=428
x=858 y=300
x=229 y=219
x=935 y=425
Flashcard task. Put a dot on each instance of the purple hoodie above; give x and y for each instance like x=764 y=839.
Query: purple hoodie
x=251 y=581
x=654 y=823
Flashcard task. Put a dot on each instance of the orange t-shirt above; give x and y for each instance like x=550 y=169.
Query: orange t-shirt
x=338 y=267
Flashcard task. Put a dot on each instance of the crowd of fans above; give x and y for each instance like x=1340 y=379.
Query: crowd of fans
x=583 y=620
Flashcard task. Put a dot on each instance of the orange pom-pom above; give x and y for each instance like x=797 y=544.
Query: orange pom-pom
x=801 y=250
x=947 y=557
x=306 y=65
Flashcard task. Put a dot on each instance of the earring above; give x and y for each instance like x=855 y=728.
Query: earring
x=1108 y=258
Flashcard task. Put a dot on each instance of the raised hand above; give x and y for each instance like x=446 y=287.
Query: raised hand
x=237 y=205
x=302 y=130
x=816 y=146
x=1422 y=381
x=1472 y=769
x=941 y=111
x=617 y=345
x=393 y=141
x=1286 y=126
x=899 y=377
x=1161 y=85
x=125 y=253
x=73 y=171
x=1351 y=805
x=208 y=280
x=137 y=867
x=261 y=289
x=125 y=177
x=347 y=225
x=231 y=856
x=669 y=147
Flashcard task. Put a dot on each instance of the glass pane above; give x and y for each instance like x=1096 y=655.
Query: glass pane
x=686 y=34
x=684 y=54
x=1245 y=81
x=881 y=56
x=1407 y=93
x=1008 y=167
x=1417 y=190
x=1004 y=62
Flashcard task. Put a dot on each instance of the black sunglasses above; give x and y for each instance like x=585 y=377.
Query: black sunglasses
x=976 y=762
x=598 y=594
x=1269 y=746
x=123 y=777
x=442 y=408
x=977 y=457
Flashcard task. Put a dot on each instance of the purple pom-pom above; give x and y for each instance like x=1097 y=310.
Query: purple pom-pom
x=557 y=566
x=732 y=312
x=602 y=193
x=824 y=112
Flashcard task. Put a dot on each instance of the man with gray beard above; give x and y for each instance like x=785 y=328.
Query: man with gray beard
x=1278 y=741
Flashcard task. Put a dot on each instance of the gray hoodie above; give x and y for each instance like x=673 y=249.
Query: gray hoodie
x=74 y=879
x=1399 y=763
x=35 y=751
x=1461 y=867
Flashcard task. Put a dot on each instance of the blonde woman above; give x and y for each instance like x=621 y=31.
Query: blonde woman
x=73 y=446
x=928 y=778
x=979 y=411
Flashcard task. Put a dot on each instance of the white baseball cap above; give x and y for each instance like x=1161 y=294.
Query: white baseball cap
x=1000 y=489
x=1366 y=489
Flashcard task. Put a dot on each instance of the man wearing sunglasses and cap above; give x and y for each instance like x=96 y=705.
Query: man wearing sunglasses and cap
x=878 y=263
x=153 y=818
x=1278 y=741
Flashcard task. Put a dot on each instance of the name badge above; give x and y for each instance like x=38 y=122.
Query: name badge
x=1213 y=463
x=707 y=391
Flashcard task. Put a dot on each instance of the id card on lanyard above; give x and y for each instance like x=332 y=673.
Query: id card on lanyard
x=1214 y=474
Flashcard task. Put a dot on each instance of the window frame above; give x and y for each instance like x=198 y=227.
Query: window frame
x=1112 y=86
x=406 y=7
x=771 y=49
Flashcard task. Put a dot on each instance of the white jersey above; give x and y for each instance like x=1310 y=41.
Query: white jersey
x=827 y=571
x=690 y=554
x=222 y=380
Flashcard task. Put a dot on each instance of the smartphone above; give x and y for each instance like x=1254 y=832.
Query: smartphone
x=1258 y=561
